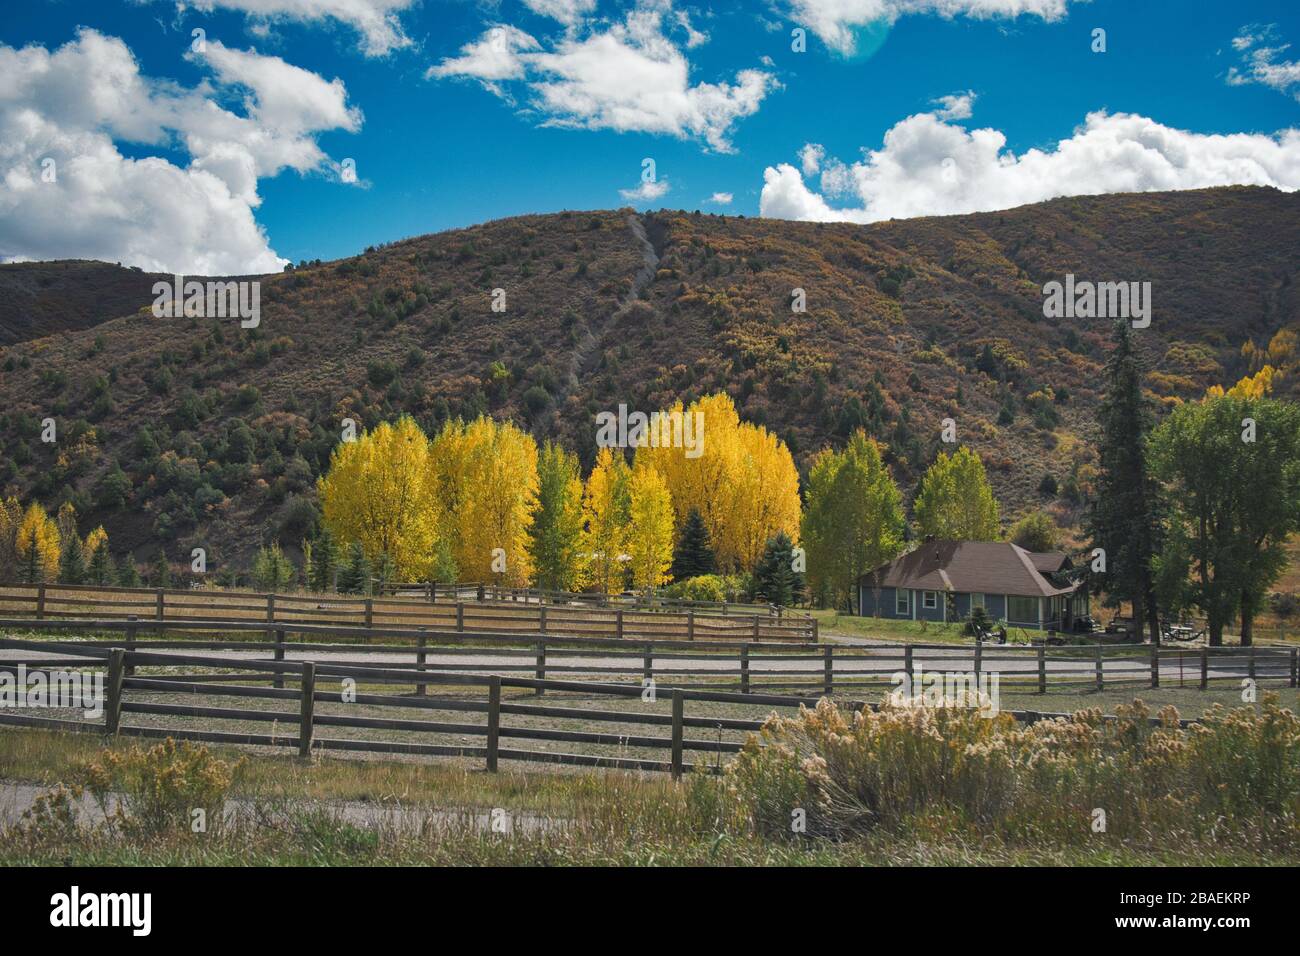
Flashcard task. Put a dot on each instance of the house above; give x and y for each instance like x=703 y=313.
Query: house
x=942 y=580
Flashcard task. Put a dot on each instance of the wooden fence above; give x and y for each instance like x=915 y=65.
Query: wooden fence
x=54 y=601
x=433 y=593
x=202 y=692
x=748 y=665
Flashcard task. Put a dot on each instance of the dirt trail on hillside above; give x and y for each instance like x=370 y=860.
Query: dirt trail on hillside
x=585 y=351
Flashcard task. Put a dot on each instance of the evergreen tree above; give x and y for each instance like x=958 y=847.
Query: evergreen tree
x=694 y=553
x=102 y=571
x=324 y=561
x=72 y=563
x=775 y=579
x=129 y=575
x=161 y=574
x=1122 y=520
x=354 y=576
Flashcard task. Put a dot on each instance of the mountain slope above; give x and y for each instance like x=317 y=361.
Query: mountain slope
x=221 y=430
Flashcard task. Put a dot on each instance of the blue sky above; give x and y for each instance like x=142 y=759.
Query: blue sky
x=278 y=100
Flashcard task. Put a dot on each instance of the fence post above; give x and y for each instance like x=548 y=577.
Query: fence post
x=690 y=625
x=1250 y=663
x=1155 y=664
x=270 y=609
x=618 y=624
x=816 y=630
x=113 y=691
x=756 y=637
x=1100 y=670
x=370 y=614
x=1205 y=668
x=493 y=723
x=307 y=694
x=159 y=605
x=279 y=656
x=979 y=660
x=542 y=617
x=677 y=735
x=541 y=665
x=130 y=641
x=420 y=657
x=40 y=601
x=480 y=594
x=1042 y=668
x=1295 y=667
x=460 y=617
x=648 y=664
x=744 y=668
x=828 y=670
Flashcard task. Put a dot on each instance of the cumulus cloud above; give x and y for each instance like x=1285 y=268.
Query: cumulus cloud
x=929 y=165
x=1262 y=61
x=376 y=20
x=720 y=199
x=834 y=21
x=566 y=11
x=74 y=105
x=648 y=191
x=627 y=76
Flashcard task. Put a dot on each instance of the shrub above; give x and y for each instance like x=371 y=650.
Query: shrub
x=160 y=787
x=1234 y=775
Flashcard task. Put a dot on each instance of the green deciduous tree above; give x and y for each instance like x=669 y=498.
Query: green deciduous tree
x=1233 y=502
x=955 y=501
x=1036 y=531
x=853 y=519
x=556 y=537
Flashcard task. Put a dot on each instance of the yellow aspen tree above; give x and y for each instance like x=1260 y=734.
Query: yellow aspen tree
x=744 y=483
x=606 y=514
x=376 y=493
x=37 y=546
x=486 y=476
x=650 y=527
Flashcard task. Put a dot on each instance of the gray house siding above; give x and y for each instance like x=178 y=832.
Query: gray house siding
x=994 y=604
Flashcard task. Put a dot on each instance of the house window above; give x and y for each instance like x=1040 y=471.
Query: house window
x=929 y=600
x=900 y=603
x=977 y=600
x=1022 y=610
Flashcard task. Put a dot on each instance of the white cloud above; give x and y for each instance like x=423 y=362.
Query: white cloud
x=810 y=158
x=376 y=20
x=720 y=199
x=628 y=76
x=835 y=20
x=1262 y=61
x=930 y=166
x=73 y=105
x=956 y=106
x=566 y=11
x=493 y=57
x=648 y=191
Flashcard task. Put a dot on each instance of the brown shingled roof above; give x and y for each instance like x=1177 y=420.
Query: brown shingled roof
x=984 y=567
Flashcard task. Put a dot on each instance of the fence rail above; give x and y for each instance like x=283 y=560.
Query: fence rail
x=311 y=682
x=55 y=601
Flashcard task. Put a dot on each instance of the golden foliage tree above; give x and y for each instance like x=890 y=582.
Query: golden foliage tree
x=955 y=500
x=377 y=493
x=744 y=484
x=606 y=510
x=650 y=527
x=485 y=474
x=37 y=546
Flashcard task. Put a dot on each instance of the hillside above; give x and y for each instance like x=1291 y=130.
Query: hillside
x=45 y=298
x=219 y=431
